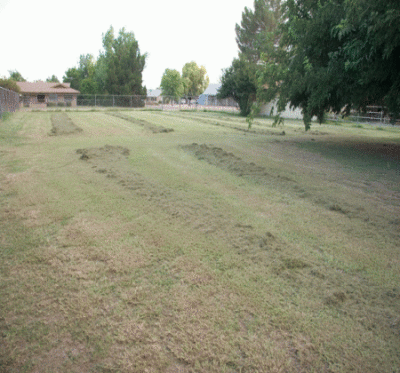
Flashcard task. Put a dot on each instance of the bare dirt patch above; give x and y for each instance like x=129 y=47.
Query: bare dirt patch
x=63 y=125
x=147 y=125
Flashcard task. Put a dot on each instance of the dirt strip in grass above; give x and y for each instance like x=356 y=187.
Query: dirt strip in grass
x=227 y=122
x=63 y=125
x=151 y=127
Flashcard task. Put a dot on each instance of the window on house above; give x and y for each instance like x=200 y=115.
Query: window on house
x=52 y=97
x=40 y=98
x=68 y=98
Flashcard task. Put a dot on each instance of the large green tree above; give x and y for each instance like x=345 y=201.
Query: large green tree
x=118 y=69
x=86 y=65
x=237 y=82
x=195 y=79
x=73 y=76
x=171 y=84
x=256 y=38
x=337 y=55
x=370 y=32
x=82 y=76
x=16 y=76
x=100 y=73
x=310 y=81
x=124 y=62
x=256 y=33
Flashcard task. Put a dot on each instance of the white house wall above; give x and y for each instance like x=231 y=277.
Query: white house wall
x=288 y=113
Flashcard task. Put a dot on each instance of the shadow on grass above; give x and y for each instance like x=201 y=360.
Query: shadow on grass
x=376 y=157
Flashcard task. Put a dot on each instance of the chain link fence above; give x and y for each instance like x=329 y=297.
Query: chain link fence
x=111 y=101
x=372 y=114
x=159 y=102
x=9 y=101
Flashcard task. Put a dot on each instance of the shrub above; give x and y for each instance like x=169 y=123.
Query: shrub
x=68 y=104
x=61 y=104
x=51 y=104
x=9 y=84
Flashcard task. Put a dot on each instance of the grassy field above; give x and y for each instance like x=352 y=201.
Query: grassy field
x=145 y=241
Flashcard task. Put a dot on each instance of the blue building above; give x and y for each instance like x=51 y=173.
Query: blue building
x=209 y=96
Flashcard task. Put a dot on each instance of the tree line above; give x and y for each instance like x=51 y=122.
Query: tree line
x=118 y=70
x=317 y=55
x=193 y=81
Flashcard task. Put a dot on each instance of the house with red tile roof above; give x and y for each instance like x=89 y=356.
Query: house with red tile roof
x=43 y=94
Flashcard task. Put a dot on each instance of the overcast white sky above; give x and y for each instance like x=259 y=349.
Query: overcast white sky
x=42 y=38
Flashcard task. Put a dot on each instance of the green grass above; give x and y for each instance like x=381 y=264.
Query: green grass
x=355 y=156
x=335 y=122
x=251 y=251
x=5 y=116
x=9 y=129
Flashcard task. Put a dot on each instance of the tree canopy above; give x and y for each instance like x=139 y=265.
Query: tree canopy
x=16 y=76
x=171 y=83
x=52 y=79
x=125 y=63
x=309 y=80
x=9 y=84
x=335 y=55
x=194 y=78
x=118 y=69
x=370 y=33
x=256 y=32
x=237 y=82
x=256 y=37
x=82 y=77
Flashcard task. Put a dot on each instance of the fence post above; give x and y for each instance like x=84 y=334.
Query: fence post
x=113 y=100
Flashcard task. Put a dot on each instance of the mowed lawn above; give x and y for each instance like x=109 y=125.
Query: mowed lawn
x=147 y=241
